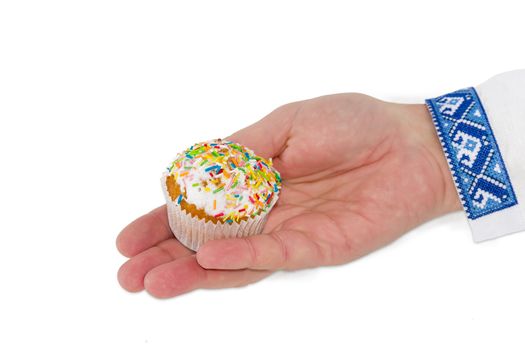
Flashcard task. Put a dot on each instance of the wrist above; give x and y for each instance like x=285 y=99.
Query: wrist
x=422 y=131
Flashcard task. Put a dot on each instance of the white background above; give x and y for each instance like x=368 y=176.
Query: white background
x=97 y=96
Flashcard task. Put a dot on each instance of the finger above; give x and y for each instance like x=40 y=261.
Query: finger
x=276 y=250
x=144 y=232
x=131 y=274
x=268 y=136
x=185 y=274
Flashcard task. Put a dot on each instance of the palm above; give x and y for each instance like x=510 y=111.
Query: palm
x=353 y=177
x=357 y=172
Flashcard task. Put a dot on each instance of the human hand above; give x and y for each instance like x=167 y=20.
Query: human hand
x=357 y=174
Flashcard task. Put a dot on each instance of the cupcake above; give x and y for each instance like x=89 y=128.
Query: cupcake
x=218 y=189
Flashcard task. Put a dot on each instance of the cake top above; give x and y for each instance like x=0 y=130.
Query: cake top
x=225 y=179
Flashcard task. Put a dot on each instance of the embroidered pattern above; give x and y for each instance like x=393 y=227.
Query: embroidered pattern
x=472 y=153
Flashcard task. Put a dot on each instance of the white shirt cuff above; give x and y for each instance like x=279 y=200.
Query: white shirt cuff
x=482 y=131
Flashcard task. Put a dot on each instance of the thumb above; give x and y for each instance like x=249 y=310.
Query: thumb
x=267 y=137
x=288 y=249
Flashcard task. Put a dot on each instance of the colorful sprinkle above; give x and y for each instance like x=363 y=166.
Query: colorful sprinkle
x=213 y=167
x=240 y=183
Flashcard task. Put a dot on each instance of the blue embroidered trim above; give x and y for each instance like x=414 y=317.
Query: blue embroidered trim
x=472 y=153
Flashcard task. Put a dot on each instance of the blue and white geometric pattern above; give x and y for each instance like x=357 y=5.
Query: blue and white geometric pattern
x=472 y=153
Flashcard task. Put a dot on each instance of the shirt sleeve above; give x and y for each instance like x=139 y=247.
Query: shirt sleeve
x=482 y=132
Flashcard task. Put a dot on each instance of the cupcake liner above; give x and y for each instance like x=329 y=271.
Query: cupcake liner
x=193 y=231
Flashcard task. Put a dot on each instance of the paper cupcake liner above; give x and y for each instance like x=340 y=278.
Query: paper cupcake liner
x=193 y=232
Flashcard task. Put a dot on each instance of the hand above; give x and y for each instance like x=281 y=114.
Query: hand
x=358 y=173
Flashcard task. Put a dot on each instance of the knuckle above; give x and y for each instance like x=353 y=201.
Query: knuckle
x=252 y=251
x=284 y=258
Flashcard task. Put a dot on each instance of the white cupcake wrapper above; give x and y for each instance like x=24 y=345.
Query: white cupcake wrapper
x=193 y=232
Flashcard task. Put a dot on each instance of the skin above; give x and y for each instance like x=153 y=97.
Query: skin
x=357 y=174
